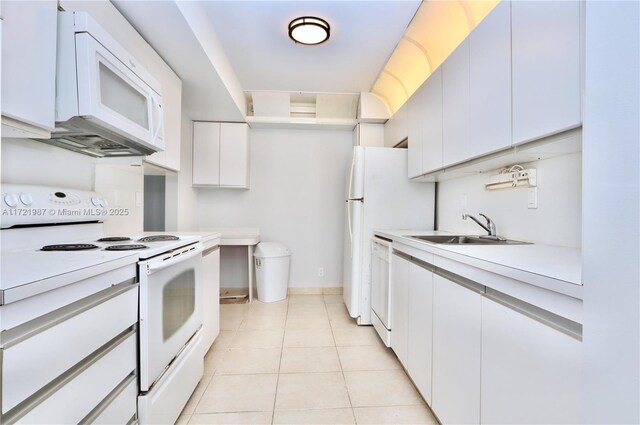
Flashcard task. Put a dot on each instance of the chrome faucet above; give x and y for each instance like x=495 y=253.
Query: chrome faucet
x=490 y=227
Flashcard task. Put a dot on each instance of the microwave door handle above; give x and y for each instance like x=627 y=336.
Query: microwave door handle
x=153 y=266
x=155 y=104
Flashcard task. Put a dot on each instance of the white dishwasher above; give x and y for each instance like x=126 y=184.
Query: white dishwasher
x=380 y=288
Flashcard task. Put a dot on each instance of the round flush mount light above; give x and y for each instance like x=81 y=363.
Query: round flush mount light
x=309 y=30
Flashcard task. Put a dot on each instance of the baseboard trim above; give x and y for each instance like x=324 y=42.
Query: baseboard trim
x=335 y=290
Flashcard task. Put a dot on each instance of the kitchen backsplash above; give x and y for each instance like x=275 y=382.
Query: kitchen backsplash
x=29 y=162
x=556 y=221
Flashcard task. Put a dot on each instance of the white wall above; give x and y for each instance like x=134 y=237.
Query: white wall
x=556 y=221
x=611 y=266
x=26 y=161
x=296 y=197
x=182 y=198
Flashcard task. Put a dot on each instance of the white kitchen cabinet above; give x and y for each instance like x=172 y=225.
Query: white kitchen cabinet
x=455 y=105
x=425 y=126
x=415 y=132
x=530 y=371
x=234 y=155
x=211 y=295
x=546 y=50
x=400 y=307
x=490 y=83
x=29 y=31
x=456 y=352
x=395 y=129
x=420 y=336
x=221 y=154
x=172 y=116
x=206 y=153
x=432 y=122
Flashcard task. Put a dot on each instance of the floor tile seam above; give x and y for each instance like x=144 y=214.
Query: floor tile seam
x=344 y=378
x=275 y=396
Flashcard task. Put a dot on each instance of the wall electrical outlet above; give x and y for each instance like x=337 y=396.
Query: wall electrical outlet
x=320 y=271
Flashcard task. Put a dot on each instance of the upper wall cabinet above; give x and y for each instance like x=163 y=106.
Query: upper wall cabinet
x=221 y=154
x=28 y=68
x=546 y=68
x=490 y=83
x=425 y=126
x=395 y=129
x=455 y=105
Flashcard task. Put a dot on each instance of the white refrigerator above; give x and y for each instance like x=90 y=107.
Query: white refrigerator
x=379 y=196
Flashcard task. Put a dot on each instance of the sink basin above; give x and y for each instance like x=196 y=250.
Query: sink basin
x=464 y=240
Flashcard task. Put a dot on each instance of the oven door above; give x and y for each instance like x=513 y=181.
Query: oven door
x=114 y=96
x=170 y=308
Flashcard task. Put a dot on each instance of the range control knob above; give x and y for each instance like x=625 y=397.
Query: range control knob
x=95 y=201
x=11 y=200
x=26 y=198
x=103 y=203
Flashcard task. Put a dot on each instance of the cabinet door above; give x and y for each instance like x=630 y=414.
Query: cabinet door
x=395 y=129
x=206 y=153
x=211 y=296
x=490 y=82
x=432 y=119
x=234 y=154
x=546 y=68
x=530 y=371
x=456 y=352
x=399 y=307
x=455 y=105
x=29 y=31
x=420 y=340
x=415 y=132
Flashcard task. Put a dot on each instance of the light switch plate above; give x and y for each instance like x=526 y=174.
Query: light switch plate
x=532 y=194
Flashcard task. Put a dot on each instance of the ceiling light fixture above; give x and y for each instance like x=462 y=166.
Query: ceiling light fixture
x=309 y=30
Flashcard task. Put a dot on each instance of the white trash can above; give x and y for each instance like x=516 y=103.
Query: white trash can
x=272 y=271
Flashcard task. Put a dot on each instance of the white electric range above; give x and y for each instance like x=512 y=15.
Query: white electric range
x=51 y=237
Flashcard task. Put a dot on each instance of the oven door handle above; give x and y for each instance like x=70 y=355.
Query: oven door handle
x=153 y=267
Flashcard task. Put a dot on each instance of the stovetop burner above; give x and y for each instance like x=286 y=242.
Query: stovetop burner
x=69 y=247
x=114 y=239
x=125 y=247
x=158 y=238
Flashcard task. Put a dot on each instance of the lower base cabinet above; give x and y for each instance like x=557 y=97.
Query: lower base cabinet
x=530 y=371
x=420 y=341
x=476 y=360
x=399 y=307
x=456 y=352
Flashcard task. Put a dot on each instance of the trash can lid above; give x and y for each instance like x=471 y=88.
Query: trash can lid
x=271 y=250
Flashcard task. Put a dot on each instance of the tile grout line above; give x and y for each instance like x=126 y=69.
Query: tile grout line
x=275 y=396
x=344 y=378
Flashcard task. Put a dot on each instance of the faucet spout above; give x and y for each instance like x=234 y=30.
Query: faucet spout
x=490 y=227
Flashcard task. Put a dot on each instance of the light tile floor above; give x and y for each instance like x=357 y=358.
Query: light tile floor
x=301 y=361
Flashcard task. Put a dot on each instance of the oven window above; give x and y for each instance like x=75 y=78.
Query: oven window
x=178 y=302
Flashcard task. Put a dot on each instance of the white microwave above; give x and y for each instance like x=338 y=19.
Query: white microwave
x=107 y=104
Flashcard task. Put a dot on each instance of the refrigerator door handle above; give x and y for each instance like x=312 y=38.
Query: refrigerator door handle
x=353 y=165
x=350 y=228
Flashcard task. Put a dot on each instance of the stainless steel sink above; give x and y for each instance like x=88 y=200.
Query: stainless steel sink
x=464 y=240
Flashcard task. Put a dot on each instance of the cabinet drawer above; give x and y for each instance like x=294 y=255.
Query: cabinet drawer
x=76 y=398
x=38 y=351
x=123 y=406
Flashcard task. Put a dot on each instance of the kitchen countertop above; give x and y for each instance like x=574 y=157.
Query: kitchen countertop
x=236 y=235
x=551 y=267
